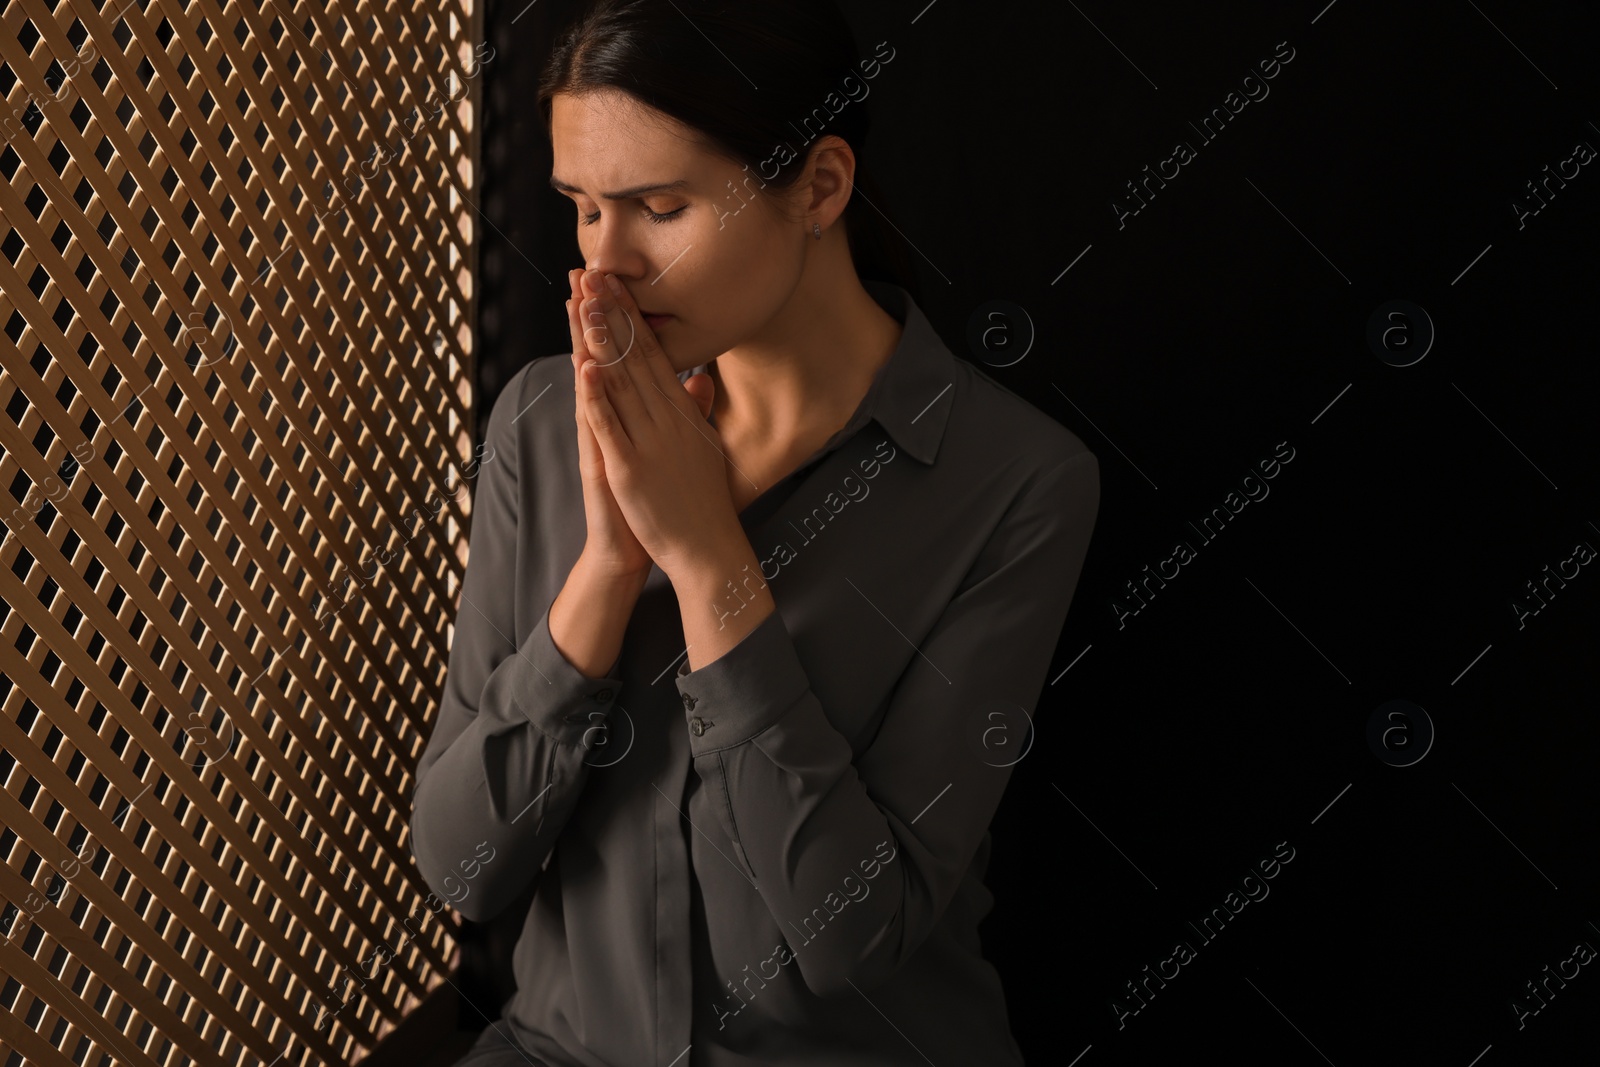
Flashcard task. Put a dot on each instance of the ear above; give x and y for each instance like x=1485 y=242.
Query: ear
x=703 y=389
x=831 y=172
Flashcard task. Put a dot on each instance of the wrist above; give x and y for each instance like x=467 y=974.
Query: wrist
x=591 y=639
x=598 y=572
x=722 y=596
x=714 y=564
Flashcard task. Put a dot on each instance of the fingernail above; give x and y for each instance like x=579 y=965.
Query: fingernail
x=593 y=278
x=614 y=285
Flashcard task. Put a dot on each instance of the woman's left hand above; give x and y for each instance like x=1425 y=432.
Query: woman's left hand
x=664 y=462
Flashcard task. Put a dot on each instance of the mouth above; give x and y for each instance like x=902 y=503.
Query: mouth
x=654 y=320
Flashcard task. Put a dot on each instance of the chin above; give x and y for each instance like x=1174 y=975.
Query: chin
x=679 y=363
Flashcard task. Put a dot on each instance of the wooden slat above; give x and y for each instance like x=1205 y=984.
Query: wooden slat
x=225 y=395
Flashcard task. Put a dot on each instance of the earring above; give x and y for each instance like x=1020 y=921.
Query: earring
x=816 y=228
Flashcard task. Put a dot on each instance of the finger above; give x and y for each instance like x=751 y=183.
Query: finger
x=654 y=373
x=646 y=364
x=620 y=382
x=580 y=346
x=621 y=333
x=590 y=462
x=574 y=327
x=580 y=350
x=590 y=457
x=574 y=334
x=613 y=378
x=609 y=340
x=580 y=353
x=702 y=390
x=615 y=448
x=652 y=357
x=626 y=326
x=598 y=334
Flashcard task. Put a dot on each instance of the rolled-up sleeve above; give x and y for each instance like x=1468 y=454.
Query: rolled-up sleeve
x=911 y=812
x=504 y=766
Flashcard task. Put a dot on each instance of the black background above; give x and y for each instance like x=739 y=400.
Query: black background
x=1183 y=345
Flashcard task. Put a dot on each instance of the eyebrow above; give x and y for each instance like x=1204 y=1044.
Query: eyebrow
x=625 y=194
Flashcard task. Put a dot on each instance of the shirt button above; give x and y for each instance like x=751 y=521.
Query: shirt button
x=602 y=696
x=688 y=702
x=697 y=725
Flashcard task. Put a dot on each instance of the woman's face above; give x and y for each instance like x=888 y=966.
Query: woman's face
x=680 y=226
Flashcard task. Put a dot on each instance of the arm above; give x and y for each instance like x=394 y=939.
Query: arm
x=504 y=766
x=804 y=817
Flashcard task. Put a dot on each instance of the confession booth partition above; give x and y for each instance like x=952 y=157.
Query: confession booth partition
x=238 y=300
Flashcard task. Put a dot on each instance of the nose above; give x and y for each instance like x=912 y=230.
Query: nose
x=613 y=251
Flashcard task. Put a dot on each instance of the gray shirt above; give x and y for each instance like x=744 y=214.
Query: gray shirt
x=777 y=858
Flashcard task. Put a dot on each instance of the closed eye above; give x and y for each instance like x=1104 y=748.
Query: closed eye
x=590 y=220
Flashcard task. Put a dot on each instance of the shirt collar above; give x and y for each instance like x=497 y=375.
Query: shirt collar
x=912 y=393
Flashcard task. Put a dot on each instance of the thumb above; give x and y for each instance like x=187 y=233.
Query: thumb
x=703 y=389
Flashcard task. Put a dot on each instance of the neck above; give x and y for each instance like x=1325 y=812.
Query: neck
x=808 y=368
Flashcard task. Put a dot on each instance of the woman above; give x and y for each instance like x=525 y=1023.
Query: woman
x=745 y=650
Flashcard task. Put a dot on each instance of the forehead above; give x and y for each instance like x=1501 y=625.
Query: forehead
x=606 y=139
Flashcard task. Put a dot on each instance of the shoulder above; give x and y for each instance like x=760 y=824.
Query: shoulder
x=1046 y=480
x=1016 y=436
x=529 y=399
x=527 y=385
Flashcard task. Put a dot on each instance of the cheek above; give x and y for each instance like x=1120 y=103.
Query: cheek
x=724 y=282
x=750 y=254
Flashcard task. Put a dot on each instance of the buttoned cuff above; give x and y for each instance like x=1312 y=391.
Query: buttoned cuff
x=743 y=691
x=555 y=696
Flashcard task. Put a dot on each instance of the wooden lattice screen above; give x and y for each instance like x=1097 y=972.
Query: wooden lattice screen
x=238 y=308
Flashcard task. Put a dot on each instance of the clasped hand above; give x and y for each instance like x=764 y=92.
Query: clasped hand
x=664 y=463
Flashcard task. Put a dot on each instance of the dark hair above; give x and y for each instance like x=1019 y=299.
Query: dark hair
x=693 y=60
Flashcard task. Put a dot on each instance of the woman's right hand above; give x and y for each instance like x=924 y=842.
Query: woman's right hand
x=610 y=545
